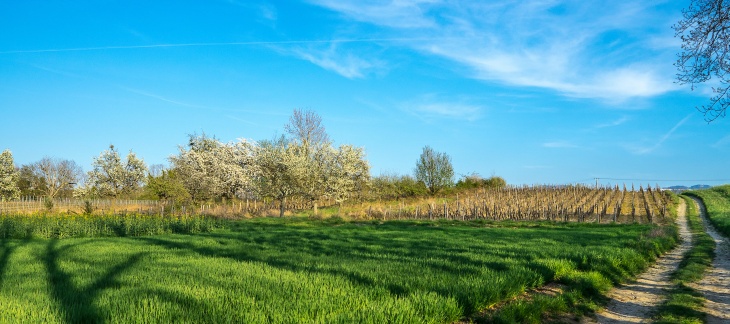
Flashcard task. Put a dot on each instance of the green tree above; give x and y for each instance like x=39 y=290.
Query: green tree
x=29 y=182
x=705 y=34
x=9 y=177
x=112 y=177
x=167 y=187
x=50 y=177
x=391 y=186
x=434 y=170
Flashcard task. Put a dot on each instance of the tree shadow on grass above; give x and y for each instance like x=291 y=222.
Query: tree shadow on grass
x=77 y=304
x=7 y=250
x=289 y=247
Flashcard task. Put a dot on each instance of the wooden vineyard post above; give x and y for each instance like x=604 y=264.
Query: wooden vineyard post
x=485 y=209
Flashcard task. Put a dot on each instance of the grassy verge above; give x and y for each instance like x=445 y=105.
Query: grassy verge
x=298 y=270
x=74 y=225
x=717 y=202
x=684 y=304
x=584 y=291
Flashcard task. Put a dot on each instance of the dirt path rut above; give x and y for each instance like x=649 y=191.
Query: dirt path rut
x=715 y=286
x=634 y=302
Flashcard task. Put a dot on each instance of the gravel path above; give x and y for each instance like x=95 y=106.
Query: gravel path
x=634 y=302
x=715 y=286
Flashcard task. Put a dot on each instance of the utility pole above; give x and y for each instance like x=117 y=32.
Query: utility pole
x=596 y=182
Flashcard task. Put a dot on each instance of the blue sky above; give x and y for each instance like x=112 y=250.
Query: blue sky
x=533 y=91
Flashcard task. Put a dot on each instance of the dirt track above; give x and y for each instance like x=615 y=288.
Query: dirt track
x=715 y=286
x=634 y=302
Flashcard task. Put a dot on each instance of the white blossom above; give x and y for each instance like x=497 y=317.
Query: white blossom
x=211 y=169
x=112 y=177
x=9 y=177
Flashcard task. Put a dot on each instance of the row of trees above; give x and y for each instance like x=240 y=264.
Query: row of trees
x=302 y=164
x=305 y=165
x=48 y=177
x=52 y=177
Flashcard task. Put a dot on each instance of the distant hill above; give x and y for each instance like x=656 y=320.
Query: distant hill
x=695 y=187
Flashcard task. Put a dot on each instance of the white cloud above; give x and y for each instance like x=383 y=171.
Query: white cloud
x=559 y=144
x=451 y=110
x=341 y=62
x=588 y=49
x=614 y=123
x=396 y=13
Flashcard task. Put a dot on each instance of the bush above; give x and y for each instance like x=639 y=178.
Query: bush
x=389 y=186
x=88 y=207
x=48 y=203
x=474 y=180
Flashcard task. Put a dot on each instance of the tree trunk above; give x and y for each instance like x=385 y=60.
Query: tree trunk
x=315 y=208
x=281 y=206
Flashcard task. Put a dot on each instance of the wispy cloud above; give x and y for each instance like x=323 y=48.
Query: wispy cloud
x=342 y=62
x=564 y=46
x=614 y=123
x=397 y=14
x=172 y=101
x=536 y=167
x=664 y=138
x=251 y=43
x=203 y=107
x=264 y=9
x=245 y=121
x=56 y=71
x=430 y=107
x=722 y=141
x=559 y=145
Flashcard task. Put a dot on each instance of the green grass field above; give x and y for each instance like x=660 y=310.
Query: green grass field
x=300 y=270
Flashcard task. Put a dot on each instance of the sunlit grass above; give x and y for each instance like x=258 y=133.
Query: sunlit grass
x=717 y=201
x=41 y=225
x=299 y=270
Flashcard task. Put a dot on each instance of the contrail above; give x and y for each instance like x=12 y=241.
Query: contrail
x=101 y=48
x=665 y=137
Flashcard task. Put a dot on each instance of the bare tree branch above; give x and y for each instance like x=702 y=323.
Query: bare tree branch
x=705 y=34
